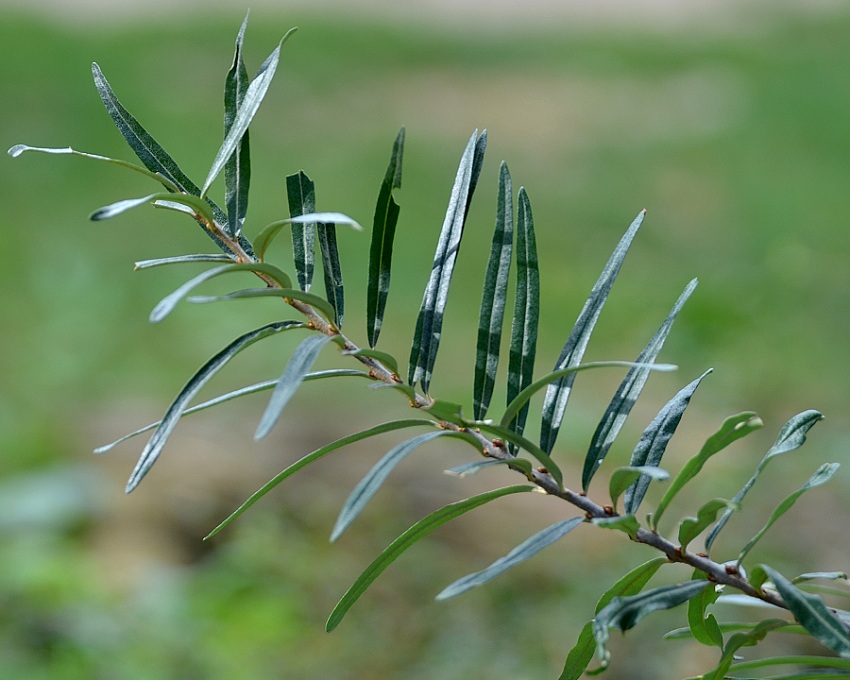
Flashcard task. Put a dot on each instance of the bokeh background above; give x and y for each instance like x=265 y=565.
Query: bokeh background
x=728 y=121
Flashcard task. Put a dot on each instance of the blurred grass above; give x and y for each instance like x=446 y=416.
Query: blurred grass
x=736 y=143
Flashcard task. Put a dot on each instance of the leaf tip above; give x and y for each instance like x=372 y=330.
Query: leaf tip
x=17 y=150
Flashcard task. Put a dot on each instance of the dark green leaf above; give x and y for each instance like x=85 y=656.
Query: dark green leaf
x=320 y=304
x=732 y=429
x=314 y=456
x=557 y=395
x=627 y=393
x=493 y=299
x=630 y=584
x=521 y=553
x=237 y=170
x=625 y=612
x=245 y=113
x=153 y=156
x=165 y=306
x=654 y=440
x=791 y=437
x=381 y=249
x=146 y=264
x=822 y=475
x=370 y=484
x=326 y=232
x=426 y=339
x=18 y=149
x=527 y=393
x=302 y=201
x=419 y=530
x=704 y=626
x=526 y=311
x=623 y=477
x=297 y=367
x=691 y=527
x=625 y=523
x=169 y=421
x=241 y=392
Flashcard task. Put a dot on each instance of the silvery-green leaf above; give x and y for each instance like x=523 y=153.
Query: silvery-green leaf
x=301 y=193
x=237 y=169
x=654 y=440
x=369 y=485
x=429 y=323
x=169 y=421
x=253 y=97
x=628 y=392
x=557 y=395
x=297 y=367
x=521 y=553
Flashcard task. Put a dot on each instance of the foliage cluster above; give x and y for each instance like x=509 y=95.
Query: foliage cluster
x=495 y=441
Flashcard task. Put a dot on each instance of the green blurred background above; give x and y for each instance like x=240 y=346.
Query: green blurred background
x=729 y=124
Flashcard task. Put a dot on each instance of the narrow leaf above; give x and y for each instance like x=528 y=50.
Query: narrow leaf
x=521 y=553
x=820 y=575
x=169 y=421
x=235 y=394
x=18 y=149
x=623 y=477
x=381 y=248
x=153 y=156
x=691 y=527
x=369 y=485
x=791 y=437
x=813 y=614
x=418 y=531
x=473 y=468
x=237 y=169
x=314 y=456
x=165 y=306
x=732 y=429
x=297 y=367
x=426 y=340
x=627 y=393
x=557 y=395
x=179 y=259
x=625 y=612
x=302 y=200
x=800 y=660
x=822 y=475
x=320 y=304
x=326 y=232
x=251 y=101
x=631 y=584
x=197 y=208
x=526 y=311
x=654 y=440
x=527 y=393
x=493 y=299
x=335 y=217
